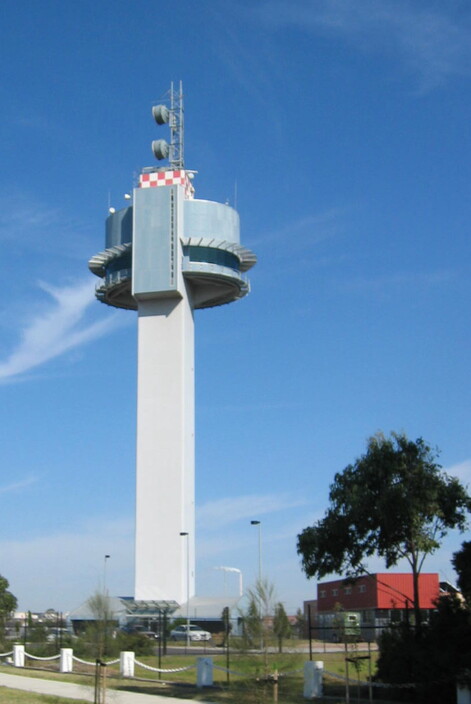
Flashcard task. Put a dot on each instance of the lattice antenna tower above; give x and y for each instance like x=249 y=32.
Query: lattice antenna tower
x=171 y=113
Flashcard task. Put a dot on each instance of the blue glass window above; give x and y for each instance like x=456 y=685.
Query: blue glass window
x=211 y=255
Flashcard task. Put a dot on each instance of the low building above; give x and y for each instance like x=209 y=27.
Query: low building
x=379 y=599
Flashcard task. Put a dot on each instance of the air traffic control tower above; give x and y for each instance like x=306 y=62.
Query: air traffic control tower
x=166 y=255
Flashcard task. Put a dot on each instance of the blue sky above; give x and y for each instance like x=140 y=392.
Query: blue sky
x=341 y=128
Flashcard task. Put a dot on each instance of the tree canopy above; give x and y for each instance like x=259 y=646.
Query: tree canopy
x=260 y=607
x=394 y=502
x=461 y=562
x=8 y=603
x=281 y=625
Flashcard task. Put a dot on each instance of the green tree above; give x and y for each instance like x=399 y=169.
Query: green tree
x=259 y=609
x=281 y=625
x=300 y=624
x=461 y=562
x=435 y=659
x=394 y=502
x=100 y=629
x=8 y=604
x=226 y=620
x=251 y=621
x=37 y=632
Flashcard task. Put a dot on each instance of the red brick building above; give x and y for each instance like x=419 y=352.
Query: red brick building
x=380 y=599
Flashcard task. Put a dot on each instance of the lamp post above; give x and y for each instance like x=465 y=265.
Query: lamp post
x=183 y=533
x=259 y=590
x=107 y=557
x=105 y=606
x=259 y=524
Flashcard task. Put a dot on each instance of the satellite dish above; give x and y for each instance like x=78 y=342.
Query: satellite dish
x=160 y=149
x=161 y=114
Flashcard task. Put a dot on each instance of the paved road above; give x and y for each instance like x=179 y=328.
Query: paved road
x=76 y=691
x=316 y=648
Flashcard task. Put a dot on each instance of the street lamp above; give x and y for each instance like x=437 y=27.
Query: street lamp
x=259 y=590
x=259 y=524
x=183 y=533
x=107 y=557
x=105 y=605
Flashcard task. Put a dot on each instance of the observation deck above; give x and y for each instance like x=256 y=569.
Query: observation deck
x=201 y=243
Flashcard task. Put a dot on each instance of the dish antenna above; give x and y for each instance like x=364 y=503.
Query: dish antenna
x=171 y=114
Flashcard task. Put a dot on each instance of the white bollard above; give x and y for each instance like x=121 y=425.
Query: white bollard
x=204 y=672
x=313 y=672
x=18 y=656
x=66 y=660
x=126 y=663
x=463 y=694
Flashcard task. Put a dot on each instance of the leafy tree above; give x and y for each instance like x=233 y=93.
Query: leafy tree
x=433 y=660
x=252 y=624
x=281 y=625
x=395 y=502
x=226 y=620
x=300 y=624
x=37 y=632
x=260 y=607
x=8 y=604
x=99 y=631
x=461 y=562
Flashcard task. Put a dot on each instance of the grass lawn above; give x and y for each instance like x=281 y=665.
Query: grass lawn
x=249 y=686
x=14 y=696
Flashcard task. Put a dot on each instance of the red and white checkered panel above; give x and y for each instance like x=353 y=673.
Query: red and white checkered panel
x=167 y=178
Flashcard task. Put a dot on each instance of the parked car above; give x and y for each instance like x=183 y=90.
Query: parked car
x=150 y=634
x=139 y=630
x=57 y=634
x=193 y=631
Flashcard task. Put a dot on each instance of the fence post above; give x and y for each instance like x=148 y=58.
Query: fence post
x=204 y=672
x=313 y=671
x=463 y=694
x=18 y=655
x=66 y=659
x=126 y=663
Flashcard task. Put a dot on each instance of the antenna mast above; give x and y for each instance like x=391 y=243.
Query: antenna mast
x=177 y=131
x=173 y=115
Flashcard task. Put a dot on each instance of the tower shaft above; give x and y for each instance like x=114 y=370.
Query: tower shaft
x=165 y=449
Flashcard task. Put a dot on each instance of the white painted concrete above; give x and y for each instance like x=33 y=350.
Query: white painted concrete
x=165 y=483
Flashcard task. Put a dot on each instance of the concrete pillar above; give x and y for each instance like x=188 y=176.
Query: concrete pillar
x=165 y=471
x=66 y=659
x=126 y=663
x=204 y=672
x=18 y=655
x=313 y=672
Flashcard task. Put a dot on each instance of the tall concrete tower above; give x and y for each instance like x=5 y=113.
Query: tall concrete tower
x=166 y=255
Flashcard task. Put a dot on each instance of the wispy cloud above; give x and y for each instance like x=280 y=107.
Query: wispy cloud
x=249 y=58
x=20 y=215
x=29 y=225
x=31 y=565
x=433 y=42
x=462 y=471
x=398 y=280
x=18 y=486
x=57 y=329
x=307 y=230
x=231 y=509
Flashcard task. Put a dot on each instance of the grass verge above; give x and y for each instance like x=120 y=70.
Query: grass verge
x=251 y=686
x=15 y=696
